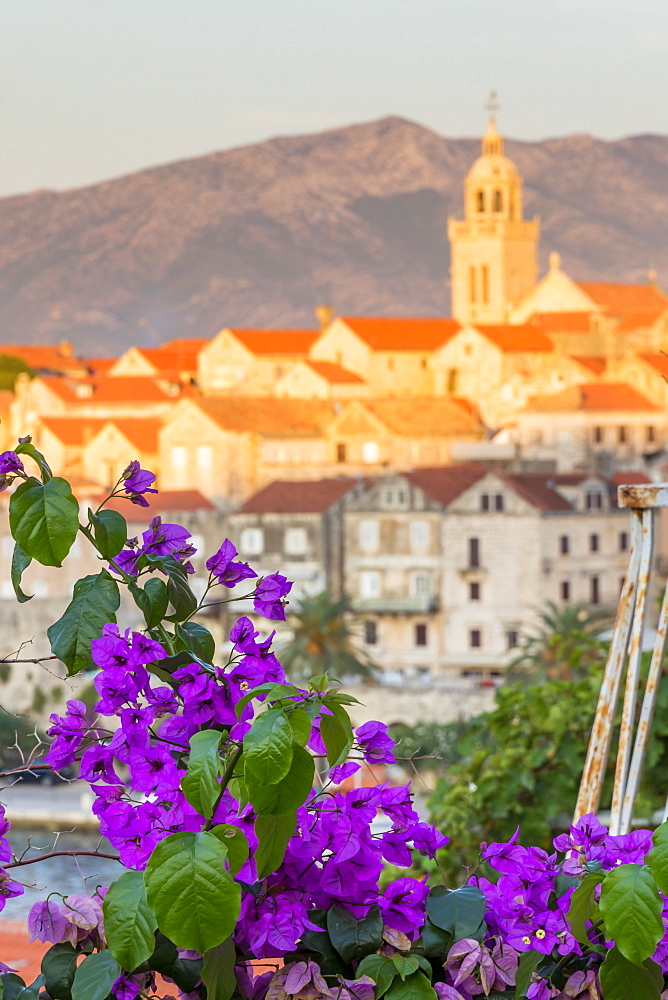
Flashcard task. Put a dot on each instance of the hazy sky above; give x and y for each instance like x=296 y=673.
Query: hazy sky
x=90 y=89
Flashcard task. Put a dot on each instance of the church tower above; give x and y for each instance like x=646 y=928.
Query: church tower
x=493 y=252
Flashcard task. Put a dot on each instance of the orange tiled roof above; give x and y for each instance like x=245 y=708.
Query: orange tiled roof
x=640 y=321
x=597 y=396
x=174 y=359
x=100 y=366
x=516 y=339
x=657 y=361
x=295 y=497
x=45 y=357
x=538 y=489
x=625 y=299
x=276 y=341
x=402 y=334
x=74 y=432
x=445 y=484
x=268 y=416
x=333 y=373
x=595 y=365
x=562 y=322
x=142 y=432
x=124 y=389
x=434 y=416
x=165 y=500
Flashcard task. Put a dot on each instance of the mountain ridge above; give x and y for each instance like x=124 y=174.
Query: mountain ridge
x=259 y=234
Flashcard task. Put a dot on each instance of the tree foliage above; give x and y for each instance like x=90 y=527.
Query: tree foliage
x=325 y=640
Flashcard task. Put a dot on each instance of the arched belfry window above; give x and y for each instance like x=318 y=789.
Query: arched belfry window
x=480 y=201
x=498 y=201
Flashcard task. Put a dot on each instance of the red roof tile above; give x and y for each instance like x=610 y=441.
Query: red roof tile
x=640 y=321
x=597 y=396
x=430 y=416
x=402 y=334
x=333 y=373
x=276 y=341
x=101 y=389
x=516 y=339
x=595 y=365
x=141 y=432
x=538 y=489
x=447 y=483
x=268 y=416
x=298 y=497
x=562 y=322
x=74 y=432
x=657 y=361
x=165 y=500
x=46 y=357
x=625 y=299
x=631 y=477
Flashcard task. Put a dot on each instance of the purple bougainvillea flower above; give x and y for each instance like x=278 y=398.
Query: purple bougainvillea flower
x=374 y=742
x=136 y=482
x=269 y=595
x=226 y=571
x=10 y=462
x=46 y=922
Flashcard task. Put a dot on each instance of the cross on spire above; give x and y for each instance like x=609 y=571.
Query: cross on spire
x=492 y=105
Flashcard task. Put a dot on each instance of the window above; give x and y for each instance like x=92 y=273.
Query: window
x=340 y=452
x=565 y=590
x=421 y=635
x=621 y=435
x=498 y=201
x=484 y=501
x=593 y=543
x=369 y=535
x=204 y=456
x=179 y=457
x=650 y=434
x=594 y=500
x=480 y=201
x=484 y=275
x=419 y=535
x=423 y=362
x=512 y=639
x=472 y=284
x=475 y=638
x=474 y=591
x=390 y=364
x=251 y=541
x=474 y=553
x=369 y=584
x=598 y=435
x=564 y=545
x=370 y=451
x=623 y=541
x=594 y=590
x=421 y=584
x=295 y=542
x=370 y=633
x=453 y=380
x=498 y=501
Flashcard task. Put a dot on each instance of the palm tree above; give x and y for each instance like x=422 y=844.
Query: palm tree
x=565 y=644
x=324 y=640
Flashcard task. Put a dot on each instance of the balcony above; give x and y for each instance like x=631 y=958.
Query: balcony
x=395 y=604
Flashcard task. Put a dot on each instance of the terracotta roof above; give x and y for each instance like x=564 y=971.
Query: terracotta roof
x=640 y=321
x=271 y=417
x=276 y=341
x=174 y=359
x=45 y=357
x=427 y=417
x=597 y=396
x=445 y=484
x=74 y=432
x=6 y=399
x=596 y=365
x=657 y=361
x=186 y=344
x=141 y=432
x=538 y=489
x=625 y=299
x=630 y=477
x=100 y=366
x=562 y=322
x=333 y=373
x=165 y=500
x=297 y=497
x=512 y=339
x=402 y=334
x=106 y=390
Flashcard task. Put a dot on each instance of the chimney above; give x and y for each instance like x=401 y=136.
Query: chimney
x=324 y=315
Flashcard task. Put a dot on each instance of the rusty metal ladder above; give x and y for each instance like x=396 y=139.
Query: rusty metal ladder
x=625 y=654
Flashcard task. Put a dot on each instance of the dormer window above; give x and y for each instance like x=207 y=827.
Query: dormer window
x=480 y=201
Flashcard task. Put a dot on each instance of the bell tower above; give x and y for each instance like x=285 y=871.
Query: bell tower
x=493 y=251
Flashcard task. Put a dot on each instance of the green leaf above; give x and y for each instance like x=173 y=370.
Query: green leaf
x=111 y=532
x=253 y=693
x=152 y=600
x=631 y=908
x=59 y=965
x=95 y=976
x=435 y=942
x=290 y=792
x=186 y=972
x=236 y=842
x=44 y=519
x=198 y=639
x=180 y=595
x=268 y=748
x=354 y=938
x=300 y=724
x=200 y=785
x=337 y=734
x=195 y=901
x=218 y=971
x=582 y=906
x=416 y=987
x=27 y=448
x=129 y=922
x=273 y=834
x=406 y=964
x=527 y=966
x=459 y=912
x=20 y=563
x=12 y=987
x=657 y=859
x=94 y=603
x=381 y=969
x=624 y=980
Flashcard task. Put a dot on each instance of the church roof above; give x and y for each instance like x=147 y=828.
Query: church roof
x=516 y=339
x=626 y=299
x=402 y=333
x=594 y=397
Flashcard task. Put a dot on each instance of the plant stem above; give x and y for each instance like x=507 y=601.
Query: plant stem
x=62 y=854
x=225 y=780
